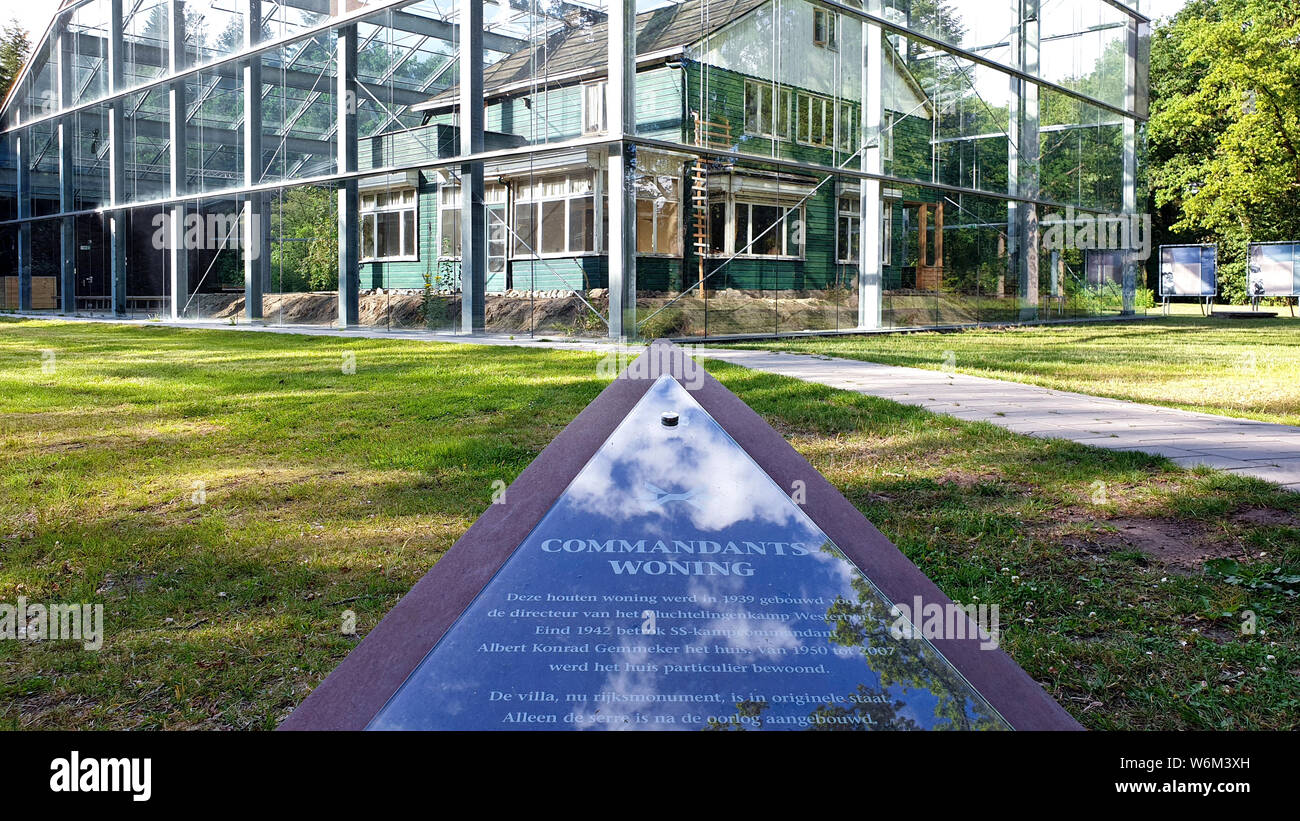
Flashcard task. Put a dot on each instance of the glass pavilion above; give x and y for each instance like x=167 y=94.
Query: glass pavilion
x=640 y=168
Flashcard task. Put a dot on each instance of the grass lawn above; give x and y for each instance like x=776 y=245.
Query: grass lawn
x=323 y=491
x=1235 y=367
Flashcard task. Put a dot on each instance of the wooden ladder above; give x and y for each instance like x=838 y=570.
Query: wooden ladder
x=700 y=203
x=707 y=135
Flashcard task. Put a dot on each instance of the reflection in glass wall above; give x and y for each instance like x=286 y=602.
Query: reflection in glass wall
x=300 y=276
x=786 y=166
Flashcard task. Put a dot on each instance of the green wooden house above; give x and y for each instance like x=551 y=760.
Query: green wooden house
x=706 y=83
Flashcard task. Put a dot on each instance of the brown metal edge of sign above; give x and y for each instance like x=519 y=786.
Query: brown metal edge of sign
x=362 y=684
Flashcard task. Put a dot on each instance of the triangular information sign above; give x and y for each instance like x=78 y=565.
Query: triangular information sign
x=690 y=572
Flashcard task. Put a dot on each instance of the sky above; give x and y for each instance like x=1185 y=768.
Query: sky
x=35 y=15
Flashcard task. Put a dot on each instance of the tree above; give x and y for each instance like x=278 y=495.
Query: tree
x=15 y=46
x=305 y=258
x=1224 y=134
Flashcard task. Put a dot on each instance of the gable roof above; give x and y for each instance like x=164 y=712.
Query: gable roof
x=582 y=49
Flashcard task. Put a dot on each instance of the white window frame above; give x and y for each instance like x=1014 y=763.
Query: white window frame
x=527 y=193
x=845 y=126
x=854 y=217
x=735 y=243
x=595 y=117
x=777 y=98
x=831 y=113
x=887 y=232
x=449 y=200
x=662 y=247
x=372 y=206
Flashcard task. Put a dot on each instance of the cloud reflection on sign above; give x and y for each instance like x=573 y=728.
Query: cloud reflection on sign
x=760 y=622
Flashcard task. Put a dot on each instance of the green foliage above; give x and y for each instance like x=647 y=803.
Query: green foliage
x=306 y=257
x=1225 y=128
x=15 y=46
x=435 y=304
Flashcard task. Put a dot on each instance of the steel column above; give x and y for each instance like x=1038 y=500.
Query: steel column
x=178 y=253
x=1130 y=205
x=871 y=161
x=349 y=199
x=255 y=228
x=620 y=103
x=118 y=217
x=1026 y=159
x=473 y=227
x=67 y=225
x=23 y=146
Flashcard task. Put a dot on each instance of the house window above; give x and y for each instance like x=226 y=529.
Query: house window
x=785 y=102
x=887 y=234
x=718 y=227
x=658 y=222
x=449 y=221
x=767 y=230
x=449 y=211
x=555 y=216
x=887 y=137
x=846 y=130
x=767 y=110
x=815 y=120
x=388 y=220
x=594 y=118
x=824 y=25
x=848 y=237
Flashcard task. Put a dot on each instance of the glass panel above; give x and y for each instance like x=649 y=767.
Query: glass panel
x=674 y=585
x=408 y=233
x=389 y=237
x=301 y=282
x=525 y=229
x=553 y=230
x=582 y=224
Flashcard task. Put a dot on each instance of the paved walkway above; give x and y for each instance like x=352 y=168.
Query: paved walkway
x=1261 y=449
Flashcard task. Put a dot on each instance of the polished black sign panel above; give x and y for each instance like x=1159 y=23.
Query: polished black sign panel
x=675 y=585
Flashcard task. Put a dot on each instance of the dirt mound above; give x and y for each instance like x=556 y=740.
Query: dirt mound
x=555 y=312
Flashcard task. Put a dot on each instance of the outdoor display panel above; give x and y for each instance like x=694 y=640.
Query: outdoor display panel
x=1104 y=269
x=1273 y=270
x=670 y=562
x=1188 y=270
